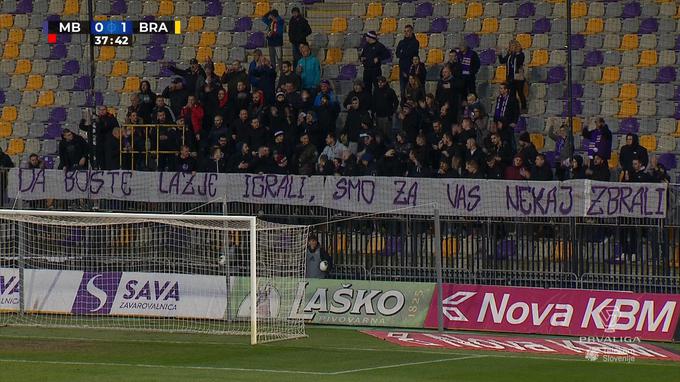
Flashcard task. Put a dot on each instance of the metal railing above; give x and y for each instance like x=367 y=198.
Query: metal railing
x=131 y=154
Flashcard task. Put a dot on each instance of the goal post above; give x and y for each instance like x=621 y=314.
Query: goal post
x=183 y=273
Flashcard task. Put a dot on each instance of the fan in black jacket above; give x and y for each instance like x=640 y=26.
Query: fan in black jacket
x=541 y=169
x=298 y=30
x=372 y=57
x=406 y=50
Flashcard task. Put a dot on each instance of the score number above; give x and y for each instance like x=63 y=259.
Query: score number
x=111 y=40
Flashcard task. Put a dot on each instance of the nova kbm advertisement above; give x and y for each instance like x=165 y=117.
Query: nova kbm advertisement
x=570 y=312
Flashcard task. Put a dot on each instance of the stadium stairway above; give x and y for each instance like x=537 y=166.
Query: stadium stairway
x=625 y=56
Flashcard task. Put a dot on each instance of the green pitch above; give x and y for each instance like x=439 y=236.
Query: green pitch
x=329 y=354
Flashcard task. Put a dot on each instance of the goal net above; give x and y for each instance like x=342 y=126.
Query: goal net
x=189 y=273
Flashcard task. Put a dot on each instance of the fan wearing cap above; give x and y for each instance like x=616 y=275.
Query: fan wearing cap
x=298 y=30
x=359 y=92
x=325 y=89
x=178 y=94
x=190 y=75
x=372 y=56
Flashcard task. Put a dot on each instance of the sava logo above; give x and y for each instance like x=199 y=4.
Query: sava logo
x=96 y=293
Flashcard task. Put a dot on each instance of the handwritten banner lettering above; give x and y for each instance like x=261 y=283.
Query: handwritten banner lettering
x=453 y=197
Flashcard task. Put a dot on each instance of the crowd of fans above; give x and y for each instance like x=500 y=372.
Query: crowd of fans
x=282 y=117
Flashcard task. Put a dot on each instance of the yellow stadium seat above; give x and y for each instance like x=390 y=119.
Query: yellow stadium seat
x=166 y=8
x=107 y=53
x=34 y=82
x=46 y=98
x=422 y=39
x=120 y=68
x=376 y=245
x=333 y=56
x=434 y=57
x=563 y=251
x=524 y=40
x=648 y=142
x=629 y=42
x=628 y=91
x=555 y=1
x=500 y=76
x=207 y=39
x=6 y=21
x=578 y=125
x=388 y=25
x=538 y=140
x=610 y=75
x=339 y=25
x=677 y=14
x=10 y=52
x=5 y=129
x=9 y=113
x=579 y=9
x=195 y=24
x=539 y=57
x=131 y=85
x=15 y=36
x=474 y=10
x=341 y=243
x=374 y=10
x=449 y=246
x=614 y=160
x=15 y=146
x=489 y=25
x=220 y=68
x=261 y=9
x=23 y=67
x=648 y=58
x=71 y=7
x=204 y=53
x=394 y=73
x=594 y=25
x=677 y=130
x=628 y=108
x=99 y=18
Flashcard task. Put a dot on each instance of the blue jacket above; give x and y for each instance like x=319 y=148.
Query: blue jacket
x=275 y=30
x=311 y=72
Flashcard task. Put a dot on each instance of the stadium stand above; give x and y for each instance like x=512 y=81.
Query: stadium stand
x=625 y=61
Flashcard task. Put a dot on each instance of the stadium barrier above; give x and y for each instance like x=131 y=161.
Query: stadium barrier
x=558 y=252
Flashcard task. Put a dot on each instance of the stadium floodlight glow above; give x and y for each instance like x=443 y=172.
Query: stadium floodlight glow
x=184 y=273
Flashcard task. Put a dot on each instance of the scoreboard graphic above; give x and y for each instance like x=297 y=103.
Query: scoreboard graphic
x=111 y=32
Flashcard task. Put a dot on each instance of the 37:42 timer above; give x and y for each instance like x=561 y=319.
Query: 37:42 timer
x=110 y=40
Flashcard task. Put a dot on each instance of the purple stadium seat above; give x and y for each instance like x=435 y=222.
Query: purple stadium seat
x=156 y=53
x=311 y=1
x=576 y=91
x=149 y=18
x=593 y=58
x=118 y=7
x=58 y=51
x=677 y=112
x=541 y=26
x=389 y=57
x=255 y=40
x=551 y=157
x=48 y=161
x=159 y=39
x=629 y=125
x=677 y=43
x=71 y=67
x=556 y=74
x=666 y=74
x=63 y=38
x=439 y=25
x=576 y=108
x=165 y=72
x=506 y=248
x=53 y=131
x=243 y=24
x=213 y=8
x=668 y=160
x=487 y=57
x=82 y=83
x=347 y=72
x=521 y=125
x=393 y=246
x=2 y=97
x=631 y=10
x=53 y=18
x=676 y=97
x=58 y=114
x=526 y=10
x=25 y=6
x=472 y=40
x=578 y=41
x=424 y=9
x=648 y=26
